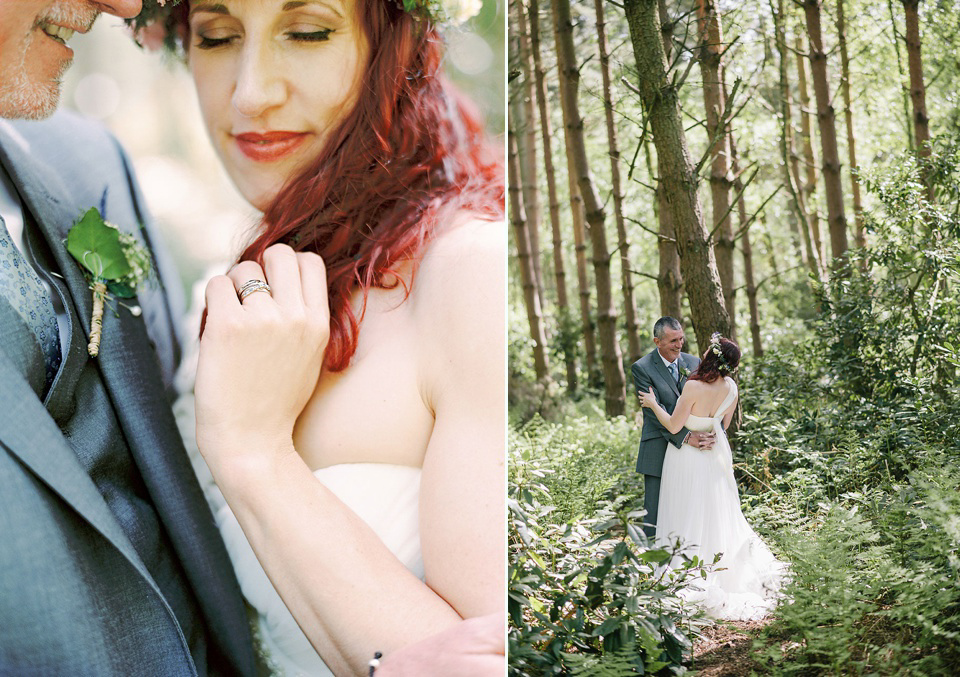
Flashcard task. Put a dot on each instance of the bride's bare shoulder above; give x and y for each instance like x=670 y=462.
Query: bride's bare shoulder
x=465 y=263
x=466 y=240
x=459 y=302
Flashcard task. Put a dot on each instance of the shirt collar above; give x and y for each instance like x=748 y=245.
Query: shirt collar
x=11 y=210
x=667 y=362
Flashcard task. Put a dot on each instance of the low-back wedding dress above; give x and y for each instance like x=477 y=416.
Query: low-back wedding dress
x=384 y=496
x=700 y=505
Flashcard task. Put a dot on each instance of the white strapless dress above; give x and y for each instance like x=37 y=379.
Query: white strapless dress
x=700 y=505
x=386 y=497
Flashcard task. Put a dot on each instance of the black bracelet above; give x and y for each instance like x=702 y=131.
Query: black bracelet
x=374 y=662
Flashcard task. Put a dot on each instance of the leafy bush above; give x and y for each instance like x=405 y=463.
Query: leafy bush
x=876 y=587
x=583 y=459
x=587 y=595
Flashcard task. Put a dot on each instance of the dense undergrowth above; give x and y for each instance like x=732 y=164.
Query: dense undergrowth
x=848 y=460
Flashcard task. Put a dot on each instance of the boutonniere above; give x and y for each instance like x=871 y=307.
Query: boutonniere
x=114 y=262
x=684 y=372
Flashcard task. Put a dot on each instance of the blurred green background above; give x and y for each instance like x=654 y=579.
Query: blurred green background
x=149 y=103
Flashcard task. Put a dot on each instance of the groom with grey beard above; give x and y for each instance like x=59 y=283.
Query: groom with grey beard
x=111 y=563
x=665 y=369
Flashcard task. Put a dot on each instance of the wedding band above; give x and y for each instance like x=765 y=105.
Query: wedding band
x=251 y=287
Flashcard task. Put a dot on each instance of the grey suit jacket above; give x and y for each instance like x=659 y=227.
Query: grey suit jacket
x=75 y=597
x=649 y=371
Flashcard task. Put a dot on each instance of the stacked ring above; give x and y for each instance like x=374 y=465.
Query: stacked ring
x=251 y=287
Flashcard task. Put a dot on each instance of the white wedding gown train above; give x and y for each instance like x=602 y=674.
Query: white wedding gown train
x=700 y=505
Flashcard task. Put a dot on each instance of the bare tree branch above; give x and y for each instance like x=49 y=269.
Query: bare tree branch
x=777 y=274
x=725 y=118
x=733 y=203
x=652 y=232
x=745 y=226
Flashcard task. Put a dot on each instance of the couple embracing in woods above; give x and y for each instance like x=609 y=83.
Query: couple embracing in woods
x=690 y=494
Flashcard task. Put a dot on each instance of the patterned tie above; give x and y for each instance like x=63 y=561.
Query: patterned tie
x=675 y=372
x=23 y=290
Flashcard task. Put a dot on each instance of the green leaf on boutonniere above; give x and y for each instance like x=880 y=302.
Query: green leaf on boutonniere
x=115 y=263
x=96 y=247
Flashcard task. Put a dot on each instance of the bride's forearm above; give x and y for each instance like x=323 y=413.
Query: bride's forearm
x=672 y=423
x=348 y=592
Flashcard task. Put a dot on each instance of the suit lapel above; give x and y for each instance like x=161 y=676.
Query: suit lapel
x=134 y=381
x=126 y=360
x=664 y=373
x=40 y=446
x=682 y=367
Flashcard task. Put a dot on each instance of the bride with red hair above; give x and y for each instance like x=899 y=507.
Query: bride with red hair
x=349 y=395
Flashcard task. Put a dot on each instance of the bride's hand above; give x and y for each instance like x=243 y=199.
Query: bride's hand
x=648 y=399
x=260 y=360
x=472 y=648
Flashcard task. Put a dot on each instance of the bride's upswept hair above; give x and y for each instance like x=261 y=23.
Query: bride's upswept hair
x=713 y=366
x=410 y=155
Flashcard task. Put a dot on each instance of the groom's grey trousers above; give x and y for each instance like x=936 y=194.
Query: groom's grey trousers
x=651 y=503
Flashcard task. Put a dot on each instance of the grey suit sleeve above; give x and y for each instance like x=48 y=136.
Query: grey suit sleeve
x=163 y=311
x=640 y=379
x=676 y=440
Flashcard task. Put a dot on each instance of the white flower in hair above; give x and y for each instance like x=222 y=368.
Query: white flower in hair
x=461 y=10
x=715 y=344
x=718 y=351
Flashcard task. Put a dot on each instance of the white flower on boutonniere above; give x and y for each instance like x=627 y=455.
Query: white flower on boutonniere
x=684 y=372
x=114 y=262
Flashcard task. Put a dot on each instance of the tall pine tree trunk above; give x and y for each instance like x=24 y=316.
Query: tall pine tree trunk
x=745 y=245
x=810 y=161
x=944 y=372
x=714 y=101
x=612 y=359
x=904 y=89
x=859 y=232
x=801 y=239
x=527 y=280
x=527 y=146
x=580 y=255
x=918 y=95
x=791 y=161
x=697 y=261
x=623 y=240
x=669 y=277
x=559 y=267
x=832 y=184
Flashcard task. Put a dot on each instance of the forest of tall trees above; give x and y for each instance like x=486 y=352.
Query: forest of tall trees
x=786 y=173
x=704 y=173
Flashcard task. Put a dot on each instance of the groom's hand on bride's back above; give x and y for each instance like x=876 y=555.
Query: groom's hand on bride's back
x=702 y=440
x=475 y=647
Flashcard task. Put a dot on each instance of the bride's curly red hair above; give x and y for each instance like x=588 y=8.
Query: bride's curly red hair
x=712 y=367
x=410 y=155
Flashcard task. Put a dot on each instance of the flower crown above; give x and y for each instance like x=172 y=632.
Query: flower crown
x=152 y=28
x=717 y=351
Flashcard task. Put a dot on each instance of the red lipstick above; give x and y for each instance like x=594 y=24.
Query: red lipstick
x=269 y=146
